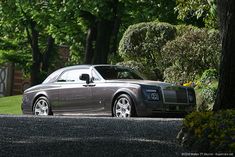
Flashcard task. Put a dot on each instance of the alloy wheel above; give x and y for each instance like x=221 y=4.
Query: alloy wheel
x=123 y=108
x=41 y=107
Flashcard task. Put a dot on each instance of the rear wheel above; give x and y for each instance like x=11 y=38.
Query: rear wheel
x=41 y=107
x=123 y=107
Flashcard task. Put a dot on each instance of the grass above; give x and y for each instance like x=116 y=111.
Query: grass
x=11 y=105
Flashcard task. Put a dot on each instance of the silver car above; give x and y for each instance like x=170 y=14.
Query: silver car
x=105 y=89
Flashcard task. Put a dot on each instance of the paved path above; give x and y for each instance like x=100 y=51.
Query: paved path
x=88 y=136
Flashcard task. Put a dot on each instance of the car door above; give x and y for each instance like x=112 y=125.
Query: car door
x=74 y=94
x=100 y=93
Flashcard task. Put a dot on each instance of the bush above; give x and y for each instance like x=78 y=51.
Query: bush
x=212 y=132
x=206 y=90
x=192 y=53
x=143 y=43
x=172 y=74
x=208 y=76
x=209 y=93
x=183 y=29
x=145 y=72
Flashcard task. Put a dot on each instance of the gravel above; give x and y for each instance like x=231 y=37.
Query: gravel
x=88 y=136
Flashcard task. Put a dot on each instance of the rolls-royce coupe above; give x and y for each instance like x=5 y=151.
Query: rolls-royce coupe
x=115 y=90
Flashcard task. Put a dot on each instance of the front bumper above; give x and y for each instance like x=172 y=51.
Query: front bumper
x=148 y=108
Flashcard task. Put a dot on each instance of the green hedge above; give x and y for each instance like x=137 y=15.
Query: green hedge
x=174 y=53
x=143 y=43
x=191 y=53
x=209 y=132
x=139 y=67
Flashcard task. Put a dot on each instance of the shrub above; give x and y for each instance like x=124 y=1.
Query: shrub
x=174 y=74
x=206 y=89
x=209 y=93
x=183 y=29
x=209 y=132
x=209 y=75
x=192 y=53
x=148 y=74
x=143 y=43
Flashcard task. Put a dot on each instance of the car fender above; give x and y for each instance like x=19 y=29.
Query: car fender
x=39 y=94
x=128 y=91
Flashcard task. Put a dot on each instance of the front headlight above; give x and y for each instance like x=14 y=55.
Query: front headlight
x=191 y=95
x=190 y=98
x=152 y=94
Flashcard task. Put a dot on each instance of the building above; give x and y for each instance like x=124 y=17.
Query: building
x=13 y=81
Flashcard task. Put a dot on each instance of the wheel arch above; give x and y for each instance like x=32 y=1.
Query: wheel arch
x=127 y=92
x=38 y=95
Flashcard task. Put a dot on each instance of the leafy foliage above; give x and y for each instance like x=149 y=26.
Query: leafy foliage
x=209 y=132
x=14 y=51
x=139 y=67
x=209 y=93
x=174 y=74
x=191 y=54
x=24 y=25
x=68 y=22
x=209 y=75
x=143 y=43
x=198 y=9
x=206 y=89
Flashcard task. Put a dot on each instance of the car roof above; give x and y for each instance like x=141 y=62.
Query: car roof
x=85 y=66
x=53 y=76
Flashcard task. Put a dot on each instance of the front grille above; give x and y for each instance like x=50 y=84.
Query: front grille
x=175 y=95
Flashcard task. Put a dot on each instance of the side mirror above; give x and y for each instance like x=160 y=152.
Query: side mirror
x=85 y=77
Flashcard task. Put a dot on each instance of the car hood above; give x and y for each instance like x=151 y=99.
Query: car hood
x=172 y=93
x=144 y=82
x=41 y=87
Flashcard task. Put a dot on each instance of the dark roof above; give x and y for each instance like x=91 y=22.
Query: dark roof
x=84 y=66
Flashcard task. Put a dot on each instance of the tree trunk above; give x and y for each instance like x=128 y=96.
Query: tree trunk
x=104 y=32
x=35 y=68
x=90 y=43
x=47 y=55
x=91 y=35
x=116 y=25
x=226 y=88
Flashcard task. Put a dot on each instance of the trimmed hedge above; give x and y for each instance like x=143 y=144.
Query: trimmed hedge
x=191 y=53
x=139 y=67
x=174 y=53
x=143 y=43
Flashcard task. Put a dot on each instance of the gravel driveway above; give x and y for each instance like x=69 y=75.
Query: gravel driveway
x=88 y=136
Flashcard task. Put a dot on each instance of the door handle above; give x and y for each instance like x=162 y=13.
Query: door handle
x=89 y=85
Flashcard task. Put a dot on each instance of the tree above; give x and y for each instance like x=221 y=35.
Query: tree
x=225 y=95
x=106 y=20
x=198 y=12
x=93 y=27
x=24 y=23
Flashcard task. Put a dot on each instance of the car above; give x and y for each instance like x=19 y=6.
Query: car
x=105 y=89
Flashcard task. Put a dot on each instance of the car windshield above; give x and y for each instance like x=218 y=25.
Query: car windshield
x=116 y=72
x=52 y=77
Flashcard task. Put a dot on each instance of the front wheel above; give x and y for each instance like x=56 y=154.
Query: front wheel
x=123 y=107
x=41 y=107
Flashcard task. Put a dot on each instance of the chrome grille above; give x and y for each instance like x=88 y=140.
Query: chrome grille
x=175 y=95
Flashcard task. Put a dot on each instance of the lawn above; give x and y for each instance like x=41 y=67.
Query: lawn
x=11 y=105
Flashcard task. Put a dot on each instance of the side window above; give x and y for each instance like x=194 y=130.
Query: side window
x=72 y=76
x=95 y=76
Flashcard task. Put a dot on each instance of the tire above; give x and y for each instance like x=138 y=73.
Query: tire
x=42 y=107
x=123 y=107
